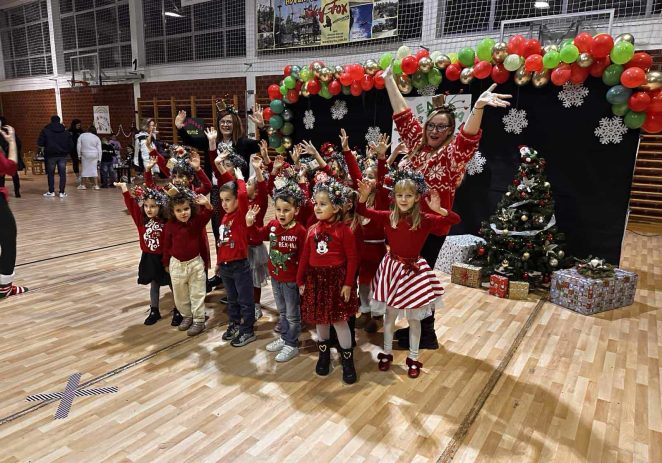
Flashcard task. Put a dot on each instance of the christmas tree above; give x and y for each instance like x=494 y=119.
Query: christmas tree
x=523 y=241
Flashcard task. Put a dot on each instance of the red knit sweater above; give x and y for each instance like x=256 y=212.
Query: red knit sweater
x=150 y=233
x=182 y=240
x=285 y=245
x=233 y=242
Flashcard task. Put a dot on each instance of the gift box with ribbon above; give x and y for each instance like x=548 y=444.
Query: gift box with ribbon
x=518 y=290
x=498 y=285
x=466 y=275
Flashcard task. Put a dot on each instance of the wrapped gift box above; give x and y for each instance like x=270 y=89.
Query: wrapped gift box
x=498 y=285
x=592 y=295
x=518 y=290
x=466 y=275
x=457 y=249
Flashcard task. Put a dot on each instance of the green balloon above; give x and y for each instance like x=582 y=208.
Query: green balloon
x=551 y=59
x=419 y=79
x=324 y=92
x=634 y=120
x=385 y=60
x=434 y=77
x=277 y=106
x=565 y=42
x=275 y=141
x=467 y=56
x=569 y=53
x=287 y=129
x=276 y=121
x=484 y=49
x=619 y=109
x=622 y=52
x=346 y=90
x=290 y=82
x=280 y=149
x=512 y=62
x=397 y=69
x=305 y=74
x=283 y=90
x=612 y=74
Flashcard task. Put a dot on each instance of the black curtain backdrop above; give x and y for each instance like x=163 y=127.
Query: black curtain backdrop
x=590 y=181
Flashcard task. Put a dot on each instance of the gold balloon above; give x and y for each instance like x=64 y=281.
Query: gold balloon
x=304 y=90
x=425 y=64
x=627 y=37
x=371 y=67
x=326 y=75
x=404 y=84
x=442 y=62
x=499 y=52
x=522 y=76
x=287 y=142
x=540 y=79
x=270 y=131
x=653 y=81
x=337 y=71
x=317 y=67
x=585 y=60
x=467 y=75
x=548 y=48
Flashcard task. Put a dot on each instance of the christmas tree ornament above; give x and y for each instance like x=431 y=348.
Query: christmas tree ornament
x=546 y=184
x=553 y=262
x=481 y=251
x=523 y=194
x=561 y=254
x=525 y=276
x=467 y=75
x=524 y=218
x=585 y=60
x=526 y=256
x=508 y=194
x=522 y=76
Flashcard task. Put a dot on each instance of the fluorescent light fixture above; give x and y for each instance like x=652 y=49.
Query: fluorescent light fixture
x=542 y=5
x=173 y=14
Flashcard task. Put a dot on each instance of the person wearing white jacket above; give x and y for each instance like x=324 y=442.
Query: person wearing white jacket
x=141 y=152
x=89 y=152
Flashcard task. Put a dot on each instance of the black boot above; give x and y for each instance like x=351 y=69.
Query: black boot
x=352 y=329
x=176 y=317
x=348 y=371
x=213 y=282
x=428 y=336
x=324 y=360
x=153 y=317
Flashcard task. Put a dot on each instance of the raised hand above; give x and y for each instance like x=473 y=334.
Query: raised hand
x=309 y=148
x=252 y=213
x=279 y=162
x=381 y=145
x=487 y=98
x=434 y=202
x=364 y=190
x=201 y=200
x=195 y=162
x=264 y=151
x=151 y=163
x=179 y=119
x=257 y=117
x=344 y=140
x=220 y=163
x=256 y=162
x=296 y=154
x=238 y=174
x=8 y=133
x=122 y=186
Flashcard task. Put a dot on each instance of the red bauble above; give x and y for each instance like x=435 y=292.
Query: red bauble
x=533 y=63
x=529 y=245
x=500 y=74
x=287 y=70
x=274 y=92
x=584 y=42
x=379 y=80
x=578 y=74
x=525 y=276
x=482 y=69
x=313 y=87
x=639 y=102
x=355 y=88
x=453 y=72
x=334 y=87
x=367 y=82
x=481 y=251
x=293 y=95
x=599 y=65
x=633 y=77
x=656 y=102
x=523 y=194
x=541 y=203
x=345 y=78
x=516 y=182
x=653 y=122
x=641 y=59
x=267 y=113
x=422 y=53
x=561 y=75
x=531 y=47
x=409 y=64
x=602 y=45
x=516 y=45
x=549 y=237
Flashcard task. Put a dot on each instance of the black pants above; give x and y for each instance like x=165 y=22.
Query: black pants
x=17 y=183
x=7 y=242
x=75 y=162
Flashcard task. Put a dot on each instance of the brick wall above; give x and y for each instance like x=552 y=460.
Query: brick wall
x=28 y=112
x=657 y=59
x=203 y=88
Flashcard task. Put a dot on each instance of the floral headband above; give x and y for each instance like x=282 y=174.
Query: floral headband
x=284 y=188
x=222 y=106
x=143 y=193
x=335 y=191
x=414 y=176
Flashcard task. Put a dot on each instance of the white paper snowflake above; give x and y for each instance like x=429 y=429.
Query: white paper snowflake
x=339 y=109
x=309 y=119
x=373 y=134
x=611 y=130
x=573 y=95
x=428 y=90
x=515 y=121
x=475 y=165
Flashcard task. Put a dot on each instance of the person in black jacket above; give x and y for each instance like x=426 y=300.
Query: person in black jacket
x=58 y=145
x=75 y=129
x=21 y=165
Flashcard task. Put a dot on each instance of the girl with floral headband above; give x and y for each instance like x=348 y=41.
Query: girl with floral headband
x=326 y=277
x=405 y=285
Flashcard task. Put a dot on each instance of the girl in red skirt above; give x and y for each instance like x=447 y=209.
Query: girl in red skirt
x=327 y=275
x=405 y=284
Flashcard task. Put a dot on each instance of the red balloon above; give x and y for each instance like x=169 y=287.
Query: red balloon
x=453 y=72
x=653 y=123
x=355 y=88
x=500 y=74
x=367 y=82
x=287 y=70
x=293 y=95
x=312 y=65
x=345 y=78
x=409 y=64
x=602 y=45
x=516 y=44
x=633 y=77
x=274 y=92
x=482 y=69
x=561 y=74
x=584 y=42
x=641 y=59
x=334 y=87
x=313 y=87
x=379 y=80
x=531 y=47
x=639 y=102
x=533 y=63
x=656 y=103
x=578 y=74
x=267 y=113
x=421 y=53
x=356 y=72
x=599 y=65
x=299 y=85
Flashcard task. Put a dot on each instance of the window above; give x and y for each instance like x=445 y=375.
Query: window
x=26 y=48
x=207 y=30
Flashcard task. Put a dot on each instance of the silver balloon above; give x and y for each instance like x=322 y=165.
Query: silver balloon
x=627 y=37
x=287 y=115
x=585 y=60
x=467 y=75
x=442 y=62
x=540 y=79
x=551 y=47
x=522 y=76
x=653 y=81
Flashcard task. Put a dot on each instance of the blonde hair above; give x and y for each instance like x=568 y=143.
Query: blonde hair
x=414 y=213
x=350 y=217
x=370 y=202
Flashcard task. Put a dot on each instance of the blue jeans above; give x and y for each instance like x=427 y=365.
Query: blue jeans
x=61 y=170
x=107 y=173
x=287 y=300
x=238 y=281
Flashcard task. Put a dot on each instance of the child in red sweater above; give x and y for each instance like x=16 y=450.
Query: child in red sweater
x=232 y=262
x=258 y=195
x=405 y=284
x=182 y=256
x=327 y=275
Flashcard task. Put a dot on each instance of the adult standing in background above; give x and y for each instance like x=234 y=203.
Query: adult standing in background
x=75 y=129
x=141 y=152
x=57 y=144
x=21 y=165
x=89 y=151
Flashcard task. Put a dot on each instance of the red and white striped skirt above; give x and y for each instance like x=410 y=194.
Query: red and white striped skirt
x=411 y=286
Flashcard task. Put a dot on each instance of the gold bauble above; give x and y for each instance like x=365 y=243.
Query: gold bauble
x=522 y=76
x=304 y=90
x=371 y=67
x=467 y=75
x=540 y=79
x=548 y=48
x=425 y=64
x=317 y=67
x=653 y=81
x=499 y=52
x=442 y=62
x=338 y=71
x=404 y=84
x=287 y=142
x=524 y=218
x=627 y=37
x=270 y=131
x=526 y=256
x=326 y=75
x=585 y=60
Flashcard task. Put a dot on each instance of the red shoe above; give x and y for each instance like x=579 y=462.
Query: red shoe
x=384 y=361
x=414 y=368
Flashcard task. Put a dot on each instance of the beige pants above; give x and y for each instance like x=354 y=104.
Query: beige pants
x=189 y=287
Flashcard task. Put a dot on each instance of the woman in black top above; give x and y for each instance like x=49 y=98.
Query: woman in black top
x=75 y=130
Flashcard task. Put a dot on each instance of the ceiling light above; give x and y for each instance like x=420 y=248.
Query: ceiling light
x=173 y=14
x=541 y=5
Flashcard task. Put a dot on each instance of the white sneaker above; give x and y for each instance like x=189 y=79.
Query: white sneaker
x=63 y=195
x=258 y=311
x=276 y=346
x=82 y=187
x=96 y=187
x=287 y=353
x=49 y=194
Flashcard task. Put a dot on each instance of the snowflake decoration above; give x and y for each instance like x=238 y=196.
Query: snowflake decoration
x=428 y=90
x=339 y=109
x=372 y=135
x=309 y=119
x=573 y=94
x=611 y=130
x=475 y=165
x=515 y=121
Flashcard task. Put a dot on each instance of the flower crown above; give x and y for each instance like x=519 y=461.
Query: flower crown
x=175 y=192
x=414 y=176
x=222 y=106
x=288 y=189
x=439 y=103
x=334 y=189
x=366 y=162
x=143 y=193
x=178 y=151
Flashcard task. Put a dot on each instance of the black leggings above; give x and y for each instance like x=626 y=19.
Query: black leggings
x=7 y=240
x=17 y=182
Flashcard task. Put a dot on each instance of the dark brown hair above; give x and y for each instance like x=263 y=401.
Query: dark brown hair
x=237 y=126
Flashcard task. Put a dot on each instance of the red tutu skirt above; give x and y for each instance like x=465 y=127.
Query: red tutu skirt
x=321 y=302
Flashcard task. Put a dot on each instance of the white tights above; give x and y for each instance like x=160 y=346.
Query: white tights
x=414 y=332
x=342 y=330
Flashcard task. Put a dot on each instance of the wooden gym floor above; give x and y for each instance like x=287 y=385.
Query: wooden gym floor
x=515 y=380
